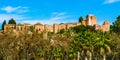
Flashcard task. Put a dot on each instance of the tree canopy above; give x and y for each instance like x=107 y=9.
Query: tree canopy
x=83 y=28
x=116 y=25
x=81 y=19
x=12 y=21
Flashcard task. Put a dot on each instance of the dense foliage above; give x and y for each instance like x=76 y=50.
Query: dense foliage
x=115 y=27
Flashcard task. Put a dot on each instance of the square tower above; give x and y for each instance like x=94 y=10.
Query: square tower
x=91 y=20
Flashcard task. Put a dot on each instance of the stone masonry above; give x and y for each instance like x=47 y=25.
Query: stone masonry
x=90 y=20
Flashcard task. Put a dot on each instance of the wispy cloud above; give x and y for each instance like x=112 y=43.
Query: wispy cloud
x=110 y=1
x=44 y=21
x=9 y=16
x=59 y=14
x=57 y=18
x=18 y=9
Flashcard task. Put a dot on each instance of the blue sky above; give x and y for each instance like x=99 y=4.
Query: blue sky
x=58 y=11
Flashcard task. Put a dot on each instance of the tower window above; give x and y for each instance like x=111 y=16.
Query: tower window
x=91 y=17
x=39 y=29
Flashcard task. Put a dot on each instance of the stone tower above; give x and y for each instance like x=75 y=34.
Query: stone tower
x=56 y=28
x=106 y=26
x=38 y=27
x=91 y=20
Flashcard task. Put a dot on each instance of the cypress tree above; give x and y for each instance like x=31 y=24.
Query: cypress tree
x=80 y=19
x=4 y=22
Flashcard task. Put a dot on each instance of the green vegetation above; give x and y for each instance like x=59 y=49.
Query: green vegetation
x=116 y=25
x=78 y=43
x=12 y=21
x=41 y=53
x=4 y=22
x=57 y=53
x=31 y=28
x=81 y=19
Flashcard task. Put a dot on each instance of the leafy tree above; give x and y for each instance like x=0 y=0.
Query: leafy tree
x=12 y=21
x=4 y=22
x=81 y=19
x=116 y=25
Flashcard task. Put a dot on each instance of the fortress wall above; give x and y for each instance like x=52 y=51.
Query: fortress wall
x=19 y=27
x=71 y=25
x=5 y=28
x=55 y=28
x=105 y=26
x=48 y=28
x=39 y=28
x=84 y=22
x=79 y=23
x=62 y=27
x=97 y=27
x=90 y=20
x=102 y=28
x=9 y=27
x=26 y=27
x=94 y=20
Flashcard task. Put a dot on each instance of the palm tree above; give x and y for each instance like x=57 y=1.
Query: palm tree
x=91 y=38
x=79 y=45
x=86 y=43
x=103 y=44
x=87 y=46
x=84 y=39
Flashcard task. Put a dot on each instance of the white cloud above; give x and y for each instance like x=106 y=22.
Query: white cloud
x=59 y=14
x=61 y=17
x=18 y=9
x=110 y=1
x=9 y=16
x=57 y=18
